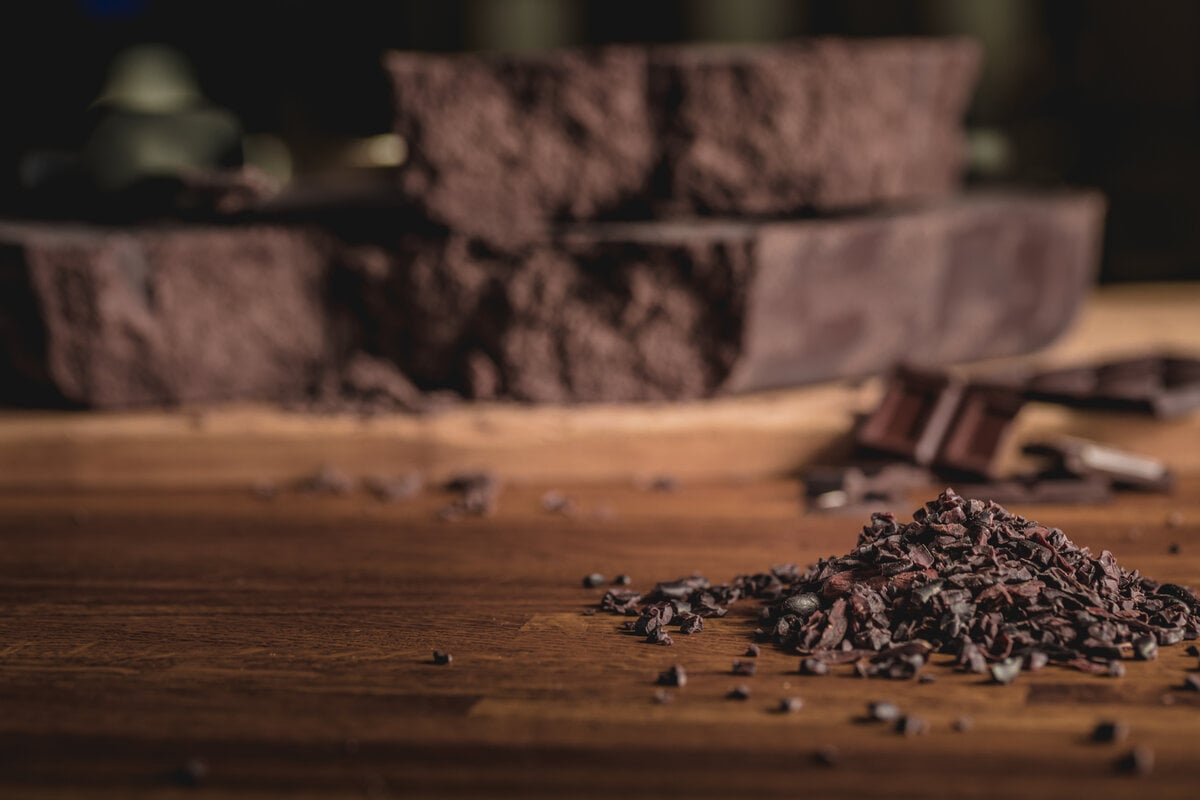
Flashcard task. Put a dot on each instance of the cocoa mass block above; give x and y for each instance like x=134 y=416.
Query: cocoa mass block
x=593 y=312
x=113 y=318
x=500 y=145
x=677 y=310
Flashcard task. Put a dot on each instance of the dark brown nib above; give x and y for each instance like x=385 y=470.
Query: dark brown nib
x=1110 y=732
x=747 y=668
x=675 y=676
x=752 y=651
x=1192 y=683
x=593 y=580
x=442 y=658
x=739 y=692
x=790 y=705
x=1138 y=761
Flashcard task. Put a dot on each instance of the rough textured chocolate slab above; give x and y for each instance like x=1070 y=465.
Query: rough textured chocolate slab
x=666 y=311
x=619 y=312
x=113 y=318
x=500 y=144
x=1165 y=386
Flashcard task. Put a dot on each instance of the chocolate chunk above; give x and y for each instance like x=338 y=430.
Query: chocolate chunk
x=675 y=676
x=1110 y=732
x=1138 y=761
x=1086 y=458
x=830 y=488
x=913 y=417
x=813 y=666
x=908 y=725
x=1164 y=386
x=982 y=424
x=790 y=705
x=706 y=307
x=684 y=126
x=441 y=658
x=739 y=692
x=1050 y=488
x=883 y=711
x=827 y=756
x=397 y=489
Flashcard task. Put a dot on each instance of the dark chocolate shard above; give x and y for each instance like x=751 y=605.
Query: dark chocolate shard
x=979 y=431
x=913 y=417
x=1086 y=458
x=1043 y=488
x=1165 y=386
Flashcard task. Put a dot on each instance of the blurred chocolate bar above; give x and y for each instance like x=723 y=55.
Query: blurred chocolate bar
x=935 y=420
x=861 y=485
x=1092 y=459
x=1041 y=488
x=1165 y=386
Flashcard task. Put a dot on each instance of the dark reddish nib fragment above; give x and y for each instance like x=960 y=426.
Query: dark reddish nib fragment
x=442 y=658
x=675 y=676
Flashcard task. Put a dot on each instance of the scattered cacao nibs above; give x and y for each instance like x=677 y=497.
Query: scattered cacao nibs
x=557 y=503
x=691 y=623
x=1192 y=683
x=882 y=711
x=328 y=479
x=442 y=658
x=1138 y=761
x=192 y=772
x=1146 y=648
x=593 y=580
x=622 y=580
x=962 y=724
x=739 y=692
x=826 y=756
x=662 y=696
x=746 y=668
x=752 y=651
x=660 y=636
x=478 y=493
x=395 y=489
x=1109 y=731
x=966 y=578
x=813 y=666
x=908 y=725
x=1005 y=672
x=790 y=705
x=675 y=676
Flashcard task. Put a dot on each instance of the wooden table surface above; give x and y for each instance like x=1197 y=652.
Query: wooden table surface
x=154 y=613
x=286 y=644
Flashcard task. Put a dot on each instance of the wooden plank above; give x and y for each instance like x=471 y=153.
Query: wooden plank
x=286 y=644
x=744 y=437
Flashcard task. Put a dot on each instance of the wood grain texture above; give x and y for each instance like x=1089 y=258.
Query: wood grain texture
x=287 y=644
x=766 y=434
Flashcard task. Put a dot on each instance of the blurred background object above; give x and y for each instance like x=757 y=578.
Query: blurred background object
x=1099 y=93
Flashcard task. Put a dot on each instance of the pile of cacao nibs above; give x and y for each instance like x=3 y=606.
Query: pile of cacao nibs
x=965 y=577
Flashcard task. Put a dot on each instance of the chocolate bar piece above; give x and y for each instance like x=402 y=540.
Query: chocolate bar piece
x=914 y=416
x=1042 y=488
x=499 y=145
x=861 y=485
x=1164 y=386
x=1086 y=458
x=619 y=312
x=979 y=431
x=935 y=420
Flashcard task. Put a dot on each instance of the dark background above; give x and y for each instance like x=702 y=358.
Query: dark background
x=1102 y=93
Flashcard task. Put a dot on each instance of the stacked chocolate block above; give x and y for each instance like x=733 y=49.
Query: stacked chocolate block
x=623 y=224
